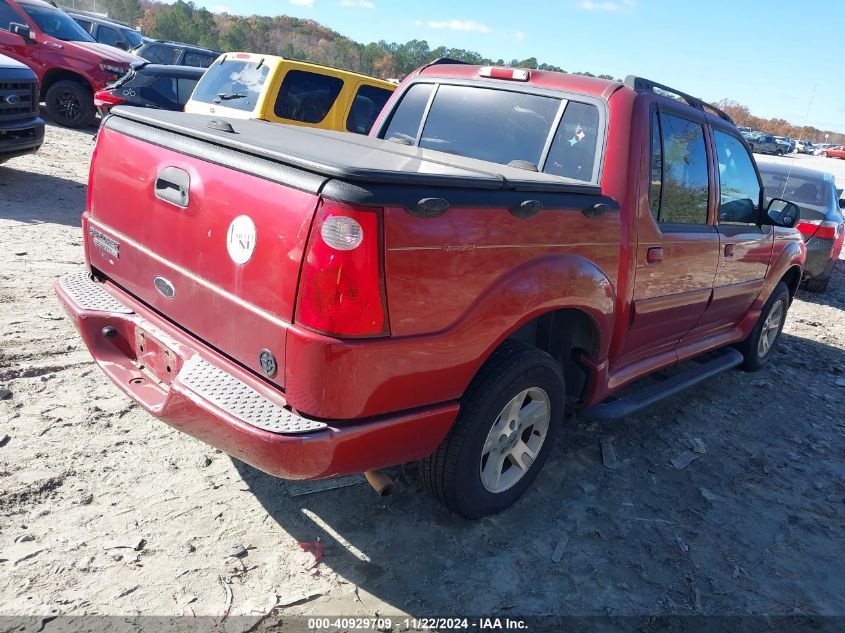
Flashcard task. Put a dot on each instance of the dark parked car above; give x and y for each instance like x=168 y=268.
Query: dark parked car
x=176 y=53
x=821 y=221
x=767 y=144
x=107 y=31
x=151 y=86
x=21 y=129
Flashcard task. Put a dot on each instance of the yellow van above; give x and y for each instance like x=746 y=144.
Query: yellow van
x=250 y=86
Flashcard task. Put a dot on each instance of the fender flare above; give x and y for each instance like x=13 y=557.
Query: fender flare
x=791 y=256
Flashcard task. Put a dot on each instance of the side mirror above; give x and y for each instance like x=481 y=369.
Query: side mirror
x=782 y=213
x=842 y=203
x=22 y=30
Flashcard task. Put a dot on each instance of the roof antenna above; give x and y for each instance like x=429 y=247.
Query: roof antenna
x=800 y=137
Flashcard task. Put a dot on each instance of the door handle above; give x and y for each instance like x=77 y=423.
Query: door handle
x=729 y=251
x=173 y=185
x=654 y=255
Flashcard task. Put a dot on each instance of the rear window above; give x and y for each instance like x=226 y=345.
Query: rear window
x=366 y=106
x=307 y=97
x=502 y=126
x=811 y=194
x=232 y=84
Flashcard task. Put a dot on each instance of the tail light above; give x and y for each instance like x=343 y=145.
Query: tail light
x=822 y=229
x=512 y=74
x=106 y=99
x=341 y=288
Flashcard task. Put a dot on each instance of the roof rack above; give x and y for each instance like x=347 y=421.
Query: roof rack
x=647 y=85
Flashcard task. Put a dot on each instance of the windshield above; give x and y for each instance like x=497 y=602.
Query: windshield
x=134 y=38
x=57 y=24
x=232 y=84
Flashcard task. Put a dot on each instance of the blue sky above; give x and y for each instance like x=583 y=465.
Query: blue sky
x=766 y=54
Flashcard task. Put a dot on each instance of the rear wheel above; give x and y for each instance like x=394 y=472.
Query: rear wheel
x=71 y=104
x=503 y=435
x=817 y=285
x=758 y=347
x=824 y=154
x=779 y=152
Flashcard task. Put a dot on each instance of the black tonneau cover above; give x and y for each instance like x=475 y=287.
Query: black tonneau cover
x=352 y=158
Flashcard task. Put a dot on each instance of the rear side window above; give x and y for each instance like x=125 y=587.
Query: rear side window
x=685 y=183
x=166 y=87
x=493 y=125
x=408 y=114
x=307 y=97
x=159 y=54
x=740 y=190
x=232 y=84
x=198 y=59
x=85 y=24
x=656 y=167
x=573 y=151
x=185 y=88
x=366 y=106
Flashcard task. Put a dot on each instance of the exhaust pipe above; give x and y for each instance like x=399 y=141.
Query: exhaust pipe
x=381 y=483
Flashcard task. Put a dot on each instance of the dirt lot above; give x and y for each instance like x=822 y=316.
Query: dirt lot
x=104 y=510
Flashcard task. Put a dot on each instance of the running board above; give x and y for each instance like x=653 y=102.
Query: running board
x=613 y=409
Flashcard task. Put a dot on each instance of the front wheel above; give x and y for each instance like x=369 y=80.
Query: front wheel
x=757 y=348
x=504 y=433
x=71 y=104
x=779 y=152
x=824 y=154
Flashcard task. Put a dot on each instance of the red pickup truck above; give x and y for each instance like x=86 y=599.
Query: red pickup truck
x=69 y=64
x=507 y=244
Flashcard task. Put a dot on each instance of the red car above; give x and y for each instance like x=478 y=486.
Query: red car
x=507 y=244
x=834 y=152
x=69 y=64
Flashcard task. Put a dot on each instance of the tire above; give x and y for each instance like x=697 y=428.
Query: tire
x=71 y=104
x=824 y=154
x=755 y=353
x=779 y=152
x=516 y=381
x=817 y=285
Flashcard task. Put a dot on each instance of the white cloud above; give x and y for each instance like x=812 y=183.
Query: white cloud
x=606 y=5
x=302 y=3
x=460 y=25
x=358 y=4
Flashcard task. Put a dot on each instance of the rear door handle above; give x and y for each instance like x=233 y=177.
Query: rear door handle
x=654 y=255
x=729 y=251
x=173 y=185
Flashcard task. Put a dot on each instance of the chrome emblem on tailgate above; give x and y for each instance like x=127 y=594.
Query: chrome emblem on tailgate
x=165 y=287
x=104 y=242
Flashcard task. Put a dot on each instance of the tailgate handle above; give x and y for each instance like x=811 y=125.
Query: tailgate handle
x=173 y=185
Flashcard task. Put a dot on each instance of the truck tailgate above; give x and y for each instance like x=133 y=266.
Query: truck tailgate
x=215 y=250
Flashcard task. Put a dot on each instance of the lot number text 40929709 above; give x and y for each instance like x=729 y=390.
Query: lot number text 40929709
x=385 y=624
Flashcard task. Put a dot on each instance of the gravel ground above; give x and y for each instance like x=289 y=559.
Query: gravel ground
x=104 y=510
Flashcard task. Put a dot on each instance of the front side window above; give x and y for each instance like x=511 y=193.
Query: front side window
x=232 y=84
x=740 y=189
x=57 y=24
x=307 y=97
x=108 y=35
x=85 y=24
x=366 y=106
x=685 y=179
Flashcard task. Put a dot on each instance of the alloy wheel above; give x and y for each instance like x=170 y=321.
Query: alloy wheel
x=515 y=439
x=771 y=329
x=67 y=105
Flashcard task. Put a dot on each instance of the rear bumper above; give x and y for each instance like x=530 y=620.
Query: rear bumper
x=204 y=394
x=20 y=137
x=821 y=258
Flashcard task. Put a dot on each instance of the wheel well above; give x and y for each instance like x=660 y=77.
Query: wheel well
x=792 y=278
x=59 y=74
x=564 y=334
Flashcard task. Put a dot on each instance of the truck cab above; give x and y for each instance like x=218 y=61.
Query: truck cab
x=69 y=64
x=268 y=88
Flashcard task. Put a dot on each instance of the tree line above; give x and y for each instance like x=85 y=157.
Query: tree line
x=295 y=38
